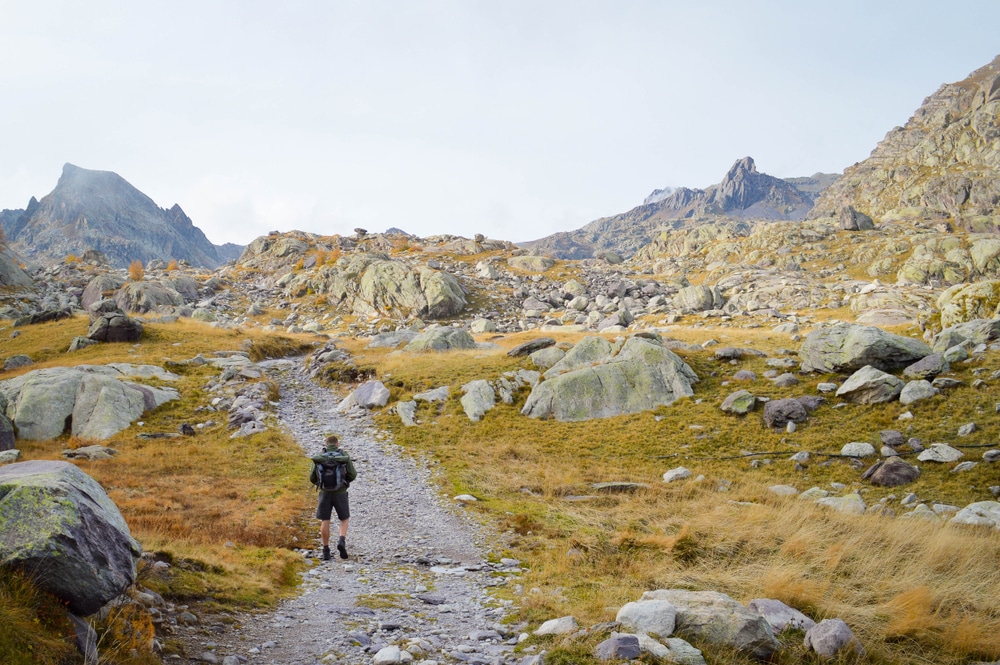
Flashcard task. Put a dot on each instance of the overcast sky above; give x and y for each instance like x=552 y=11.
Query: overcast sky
x=511 y=118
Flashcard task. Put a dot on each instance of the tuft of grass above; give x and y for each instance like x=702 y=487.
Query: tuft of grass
x=276 y=346
x=34 y=629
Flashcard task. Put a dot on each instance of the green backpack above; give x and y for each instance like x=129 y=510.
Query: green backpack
x=329 y=472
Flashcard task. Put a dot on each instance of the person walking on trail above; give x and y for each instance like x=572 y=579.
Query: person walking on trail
x=333 y=471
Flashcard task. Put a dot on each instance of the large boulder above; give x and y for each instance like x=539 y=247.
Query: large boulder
x=641 y=376
x=698 y=298
x=99 y=288
x=854 y=220
x=392 y=288
x=977 y=331
x=830 y=637
x=11 y=274
x=656 y=617
x=7 y=439
x=111 y=324
x=368 y=395
x=61 y=528
x=141 y=297
x=91 y=401
x=478 y=398
x=869 y=385
x=441 y=339
x=715 y=618
x=848 y=347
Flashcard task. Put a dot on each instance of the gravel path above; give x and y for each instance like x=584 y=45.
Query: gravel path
x=415 y=584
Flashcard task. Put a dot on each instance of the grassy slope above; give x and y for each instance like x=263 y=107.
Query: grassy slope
x=224 y=512
x=912 y=591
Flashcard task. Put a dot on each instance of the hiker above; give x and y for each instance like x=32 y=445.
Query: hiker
x=333 y=462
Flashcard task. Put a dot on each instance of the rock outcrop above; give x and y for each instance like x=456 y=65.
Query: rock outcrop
x=640 y=376
x=90 y=401
x=61 y=528
x=944 y=162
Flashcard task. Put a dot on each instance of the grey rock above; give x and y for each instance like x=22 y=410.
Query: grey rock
x=407 y=412
x=715 y=618
x=894 y=472
x=531 y=346
x=891 y=437
x=479 y=397
x=744 y=375
x=967 y=429
x=142 y=297
x=545 y=358
x=780 y=616
x=61 y=527
x=479 y=326
x=391 y=340
x=870 y=385
x=779 y=412
x=826 y=387
x=680 y=473
x=854 y=220
x=848 y=347
x=618 y=647
x=7 y=438
x=654 y=617
x=980 y=513
x=955 y=354
x=17 y=362
x=851 y=503
x=739 y=403
x=559 y=626
x=698 y=299
x=989 y=456
x=940 y=452
x=830 y=637
x=927 y=367
x=441 y=339
x=588 y=352
x=858 y=449
x=641 y=376
x=435 y=395
x=785 y=380
x=531 y=263
x=368 y=395
x=916 y=391
x=964 y=466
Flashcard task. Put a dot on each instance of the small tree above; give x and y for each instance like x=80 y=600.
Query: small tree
x=135 y=271
x=320 y=258
x=172 y=265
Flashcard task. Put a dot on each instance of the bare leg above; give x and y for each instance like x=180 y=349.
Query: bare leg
x=343 y=528
x=324 y=532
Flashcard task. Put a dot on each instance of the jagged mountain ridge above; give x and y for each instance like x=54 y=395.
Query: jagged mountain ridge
x=100 y=210
x=945 y=162
x=744 y=193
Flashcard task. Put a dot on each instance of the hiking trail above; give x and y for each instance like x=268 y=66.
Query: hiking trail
x=417 y=577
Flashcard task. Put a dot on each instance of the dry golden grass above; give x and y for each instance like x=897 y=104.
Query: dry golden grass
x=914 y=592
x=136 y=271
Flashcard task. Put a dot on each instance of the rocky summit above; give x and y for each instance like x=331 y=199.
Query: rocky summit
x=99 y=211
x=744 y=193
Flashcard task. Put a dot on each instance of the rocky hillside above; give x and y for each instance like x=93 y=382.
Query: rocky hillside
x=99 y=210
x=744 y=193
x=945 y=162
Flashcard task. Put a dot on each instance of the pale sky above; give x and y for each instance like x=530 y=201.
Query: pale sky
x=511 y=118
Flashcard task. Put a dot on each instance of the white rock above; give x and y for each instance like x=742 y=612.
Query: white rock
x=648 y=616
x=940 y=452
x=858 y=449
x=850 y=503
x=783 y=490
x=559 y=626
x=679 y=473
x=981 y=513
x=389 y=655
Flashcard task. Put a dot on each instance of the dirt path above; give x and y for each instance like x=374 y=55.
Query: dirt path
x=416 y=578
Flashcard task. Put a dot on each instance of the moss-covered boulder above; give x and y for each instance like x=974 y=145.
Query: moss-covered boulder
x=58 y=525
x=641 y=376
x=848 y=347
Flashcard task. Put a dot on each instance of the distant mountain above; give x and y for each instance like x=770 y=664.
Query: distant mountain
x=944 y=162
x=99 y=210
x=744 y=193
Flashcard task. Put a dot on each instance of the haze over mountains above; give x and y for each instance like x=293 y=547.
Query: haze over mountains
x=100 y=211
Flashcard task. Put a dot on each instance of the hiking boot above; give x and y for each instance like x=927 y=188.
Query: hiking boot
x=342 y=547
x=326 y=553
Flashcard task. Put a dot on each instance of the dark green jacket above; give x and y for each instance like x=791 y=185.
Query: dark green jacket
x=334 y=455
